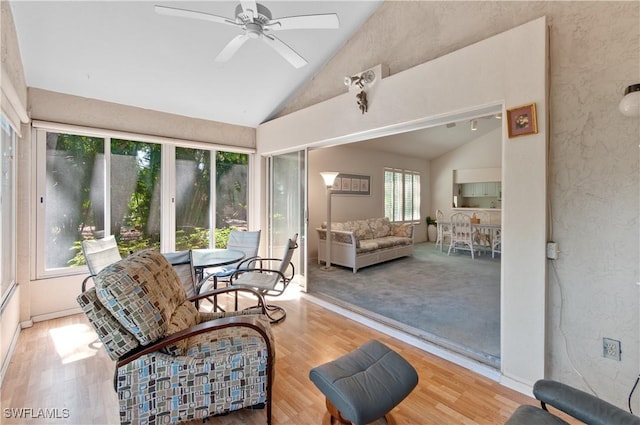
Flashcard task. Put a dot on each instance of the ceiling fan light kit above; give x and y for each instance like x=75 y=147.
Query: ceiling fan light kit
x=256 y=22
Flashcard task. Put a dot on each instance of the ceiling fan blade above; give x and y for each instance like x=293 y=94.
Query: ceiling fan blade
x=250 y=8
x=231 y=48
x=325 y=21
x=285 y=51
x=183 y=13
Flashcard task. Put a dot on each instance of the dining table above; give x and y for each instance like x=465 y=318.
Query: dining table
x=488 y=230
x=202 y=259
x=214 y=257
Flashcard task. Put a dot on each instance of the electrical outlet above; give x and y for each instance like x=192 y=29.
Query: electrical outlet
x=552 y=250
x=611 y=349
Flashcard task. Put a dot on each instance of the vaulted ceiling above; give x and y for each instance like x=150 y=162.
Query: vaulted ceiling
x=124 y=52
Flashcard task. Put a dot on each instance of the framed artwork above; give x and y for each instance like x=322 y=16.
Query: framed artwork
x=351 y=184
x=522 y=120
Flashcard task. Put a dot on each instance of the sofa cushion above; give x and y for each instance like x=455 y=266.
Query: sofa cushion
x=402 y=229
x=360 y=228
x=382 y=243
x=380 y=227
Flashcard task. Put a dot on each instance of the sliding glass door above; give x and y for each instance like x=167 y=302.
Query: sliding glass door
x=287 y=207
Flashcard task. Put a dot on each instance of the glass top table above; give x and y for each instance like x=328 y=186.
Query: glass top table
x=202 y=259
x=216 y=257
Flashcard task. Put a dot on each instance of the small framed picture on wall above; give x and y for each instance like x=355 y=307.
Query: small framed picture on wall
x=352 y=184
x=522 y=120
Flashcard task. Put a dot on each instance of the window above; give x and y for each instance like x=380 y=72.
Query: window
x=193 y=194
x=148 y=194
x=7 y=208
x=401 y=195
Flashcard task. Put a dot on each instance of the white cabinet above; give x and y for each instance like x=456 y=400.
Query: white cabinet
x=479 y=190
x=469 y=190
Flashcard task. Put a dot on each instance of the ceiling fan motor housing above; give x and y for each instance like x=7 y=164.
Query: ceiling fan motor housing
x=262 y=16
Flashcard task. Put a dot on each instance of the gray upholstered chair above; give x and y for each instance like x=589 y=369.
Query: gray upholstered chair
x=99 y=253
x=576 y=403
x=174 y=363
x=269 y=276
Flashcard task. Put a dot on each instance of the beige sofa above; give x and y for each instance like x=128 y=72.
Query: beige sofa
x=361 y=243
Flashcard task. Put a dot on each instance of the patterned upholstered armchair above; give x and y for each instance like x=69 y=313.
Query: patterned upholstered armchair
x=174 y=363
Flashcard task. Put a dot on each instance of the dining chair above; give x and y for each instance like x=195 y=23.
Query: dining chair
x=443 y=229
x=482 y=236
x=181 y=262
x=98 y=254
x=267 y=276
x=245 y=241
x=496 y=244
x=461 y=233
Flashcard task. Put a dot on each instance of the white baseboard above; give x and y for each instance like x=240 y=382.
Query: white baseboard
x=7 y=359
x=56 y=315
x=525 y=389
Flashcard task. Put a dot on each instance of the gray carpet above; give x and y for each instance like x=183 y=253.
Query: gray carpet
x=452 y=301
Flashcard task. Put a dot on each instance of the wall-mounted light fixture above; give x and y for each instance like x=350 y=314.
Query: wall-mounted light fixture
x=329 y=178
x=362 y=80
x=630 y=103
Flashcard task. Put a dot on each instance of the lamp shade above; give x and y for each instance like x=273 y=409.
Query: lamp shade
x=630 y=103
x=329 y=177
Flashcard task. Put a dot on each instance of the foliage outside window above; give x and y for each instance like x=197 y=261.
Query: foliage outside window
x=401 y=195
x=98 y=186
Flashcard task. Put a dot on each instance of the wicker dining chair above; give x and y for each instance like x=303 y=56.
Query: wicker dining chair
x=461 y=233
x=443 y=229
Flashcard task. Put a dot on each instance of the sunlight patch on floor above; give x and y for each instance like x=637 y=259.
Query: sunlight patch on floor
x=75 y=342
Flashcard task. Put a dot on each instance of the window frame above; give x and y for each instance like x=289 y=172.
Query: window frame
x=168 y=187
x=399 y=196
x=11 y=274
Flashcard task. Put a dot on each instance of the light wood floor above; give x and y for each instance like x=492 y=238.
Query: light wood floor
x=58 y=364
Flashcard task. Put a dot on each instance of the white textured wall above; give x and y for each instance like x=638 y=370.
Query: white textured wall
x=442 y=87
x=593 y=158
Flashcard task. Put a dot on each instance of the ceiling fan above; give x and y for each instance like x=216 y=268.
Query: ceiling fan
x=256 y=22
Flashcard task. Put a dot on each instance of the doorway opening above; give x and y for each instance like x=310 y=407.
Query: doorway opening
x=448 y=300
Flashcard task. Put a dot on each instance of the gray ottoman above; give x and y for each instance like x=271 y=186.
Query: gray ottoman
x=365 y=384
